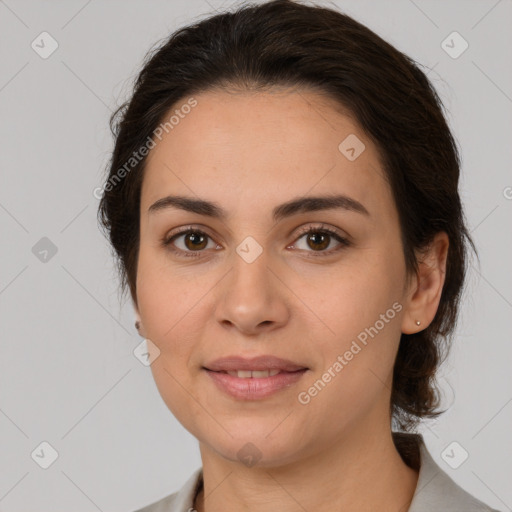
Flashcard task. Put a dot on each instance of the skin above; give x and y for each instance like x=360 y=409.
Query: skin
x=249 y=152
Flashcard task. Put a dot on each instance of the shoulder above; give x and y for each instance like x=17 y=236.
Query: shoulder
x=164 y=505
x=179 y=501
x=435 y=489
x=449 y=495
x=442 y=493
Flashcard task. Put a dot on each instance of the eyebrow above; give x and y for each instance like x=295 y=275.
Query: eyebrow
x=288 y=209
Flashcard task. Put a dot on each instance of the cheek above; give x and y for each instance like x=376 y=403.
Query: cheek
x=356 y=355
x=166 y=305
x=361 y=306
x=165 y=298
x=352 y=296
x=173 y=309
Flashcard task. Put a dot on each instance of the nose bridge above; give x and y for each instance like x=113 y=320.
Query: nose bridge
x=252 y=295
x=250 y=272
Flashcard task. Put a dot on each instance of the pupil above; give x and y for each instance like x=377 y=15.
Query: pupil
x=322 y=237
x=195 y=239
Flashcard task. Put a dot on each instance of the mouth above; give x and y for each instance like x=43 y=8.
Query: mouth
x=251 y=367
x=253 y=378
x=255 y=374
x=252 y=385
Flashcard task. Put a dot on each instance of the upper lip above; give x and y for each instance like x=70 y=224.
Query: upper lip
x=259 y=363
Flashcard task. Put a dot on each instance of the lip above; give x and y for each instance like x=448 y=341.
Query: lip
x=264 y=362
x=254 y=388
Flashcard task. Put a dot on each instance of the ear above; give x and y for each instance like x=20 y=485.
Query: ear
x=138 y=321
x=426 y=287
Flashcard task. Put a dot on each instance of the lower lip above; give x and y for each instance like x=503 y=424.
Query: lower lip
x=254 y=388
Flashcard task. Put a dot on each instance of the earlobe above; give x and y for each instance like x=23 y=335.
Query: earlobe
x=138 y=322
x=426 y=290
x=139 y=327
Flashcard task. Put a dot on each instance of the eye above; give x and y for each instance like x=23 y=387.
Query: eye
x=319 y=238
x=194 y=241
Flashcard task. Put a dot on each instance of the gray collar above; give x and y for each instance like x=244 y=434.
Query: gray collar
x=436 y=490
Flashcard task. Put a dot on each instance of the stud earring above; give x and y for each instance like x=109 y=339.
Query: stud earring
x=137 y=325
x=418 y=322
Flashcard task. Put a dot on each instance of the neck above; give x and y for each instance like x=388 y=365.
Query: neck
x=361 y=472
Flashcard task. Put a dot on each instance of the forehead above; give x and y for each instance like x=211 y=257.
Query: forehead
x=259 y=147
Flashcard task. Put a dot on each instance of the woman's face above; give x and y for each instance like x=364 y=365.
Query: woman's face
x=250 y=284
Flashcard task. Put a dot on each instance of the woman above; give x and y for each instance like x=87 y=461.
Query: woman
x=283 y=200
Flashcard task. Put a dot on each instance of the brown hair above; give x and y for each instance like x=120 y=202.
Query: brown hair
x=282 y=42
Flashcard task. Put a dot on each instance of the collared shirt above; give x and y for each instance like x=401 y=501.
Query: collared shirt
x=435 y=490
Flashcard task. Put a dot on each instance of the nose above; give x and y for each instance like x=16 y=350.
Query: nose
x=253 y=298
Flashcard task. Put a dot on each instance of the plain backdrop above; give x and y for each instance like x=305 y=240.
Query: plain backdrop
x=68 y=375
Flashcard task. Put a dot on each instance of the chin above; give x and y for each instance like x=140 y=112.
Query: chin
x=254 y=447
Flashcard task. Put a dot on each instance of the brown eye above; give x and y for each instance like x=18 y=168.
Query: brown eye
x=195 y=240
x=318 y=240
x=188 y=243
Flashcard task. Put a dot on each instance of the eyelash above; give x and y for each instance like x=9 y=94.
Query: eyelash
x=167 y=241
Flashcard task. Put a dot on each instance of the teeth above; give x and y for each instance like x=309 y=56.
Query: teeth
x=255 y=374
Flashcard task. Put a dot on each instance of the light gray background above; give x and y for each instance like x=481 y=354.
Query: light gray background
x=67 y=372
